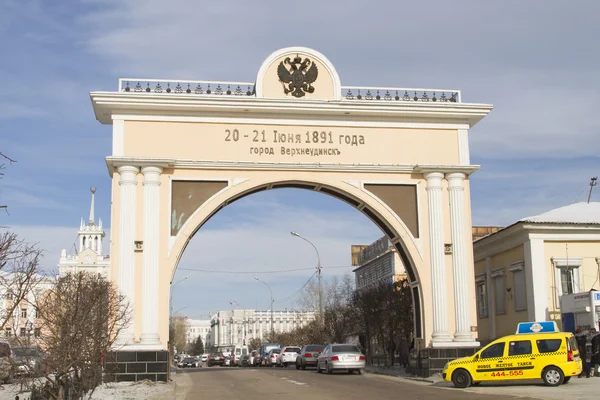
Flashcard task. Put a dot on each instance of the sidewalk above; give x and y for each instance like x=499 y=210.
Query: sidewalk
x=575 y=389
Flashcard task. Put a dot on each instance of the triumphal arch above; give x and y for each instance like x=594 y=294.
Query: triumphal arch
x=182 y=150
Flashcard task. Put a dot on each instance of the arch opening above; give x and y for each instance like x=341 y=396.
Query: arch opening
x=223 y=200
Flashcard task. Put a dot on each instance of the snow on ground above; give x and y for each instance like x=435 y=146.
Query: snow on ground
x=109 y=391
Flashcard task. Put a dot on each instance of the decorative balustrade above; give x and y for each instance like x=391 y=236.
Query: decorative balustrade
x=349 y=93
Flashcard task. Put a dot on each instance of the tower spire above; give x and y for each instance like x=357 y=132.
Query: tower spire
x=91 y=219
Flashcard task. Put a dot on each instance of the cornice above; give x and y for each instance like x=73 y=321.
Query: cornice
x=113 y=162
x=107 y=104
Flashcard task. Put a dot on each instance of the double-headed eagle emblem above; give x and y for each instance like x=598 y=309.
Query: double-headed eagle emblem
x=299 y=77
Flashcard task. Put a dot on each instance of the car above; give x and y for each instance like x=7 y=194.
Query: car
x=337 y=357
x=189 y=362
x=204 y=357
x=288 y=356
x=227 y=361
x=7 y=371
x=28 y=360
x=537 y=351
x=264 y=351
x=254 y=358
x=271 y=358
x=308 y=355
x=215 y=359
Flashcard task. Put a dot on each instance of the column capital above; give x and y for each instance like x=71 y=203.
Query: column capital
x=434 y=180
x=152 y=175
x=455 y=180
x=127 y=174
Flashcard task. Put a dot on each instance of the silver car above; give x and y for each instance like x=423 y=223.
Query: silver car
x=308 y=355
x=341 y=357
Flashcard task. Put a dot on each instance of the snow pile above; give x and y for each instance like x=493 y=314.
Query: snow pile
x=133 y=390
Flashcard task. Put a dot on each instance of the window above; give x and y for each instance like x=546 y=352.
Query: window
x=37 y=313
x=495 y=350
x=8 y=332
x=567 y=276
x=548 y=345
x=37 y=332
x=481 y=290
x=520 y=347
x=520 y=293
x=499 y=295
x=23 y=313
x=23 y=332
x=9 y=296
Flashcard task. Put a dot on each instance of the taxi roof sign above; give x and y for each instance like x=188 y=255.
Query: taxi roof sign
x=537 y=327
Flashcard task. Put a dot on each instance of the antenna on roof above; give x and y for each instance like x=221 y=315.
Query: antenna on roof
x=593 y=182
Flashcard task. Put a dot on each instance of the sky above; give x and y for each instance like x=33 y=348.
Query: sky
x=535 y=61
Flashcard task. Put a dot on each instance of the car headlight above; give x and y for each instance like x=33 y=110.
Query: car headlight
x=446 y=366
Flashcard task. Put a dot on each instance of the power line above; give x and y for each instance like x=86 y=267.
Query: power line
x=245 y=272
x=296 y=293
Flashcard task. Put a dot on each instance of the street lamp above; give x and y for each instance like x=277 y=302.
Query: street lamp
x=318 y=270
x=271 y=292
x=171 y=293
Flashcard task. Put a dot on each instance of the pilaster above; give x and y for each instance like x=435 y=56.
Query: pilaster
x=126 y=259
x=459 y=258
x=440 y=335
x=149 y=336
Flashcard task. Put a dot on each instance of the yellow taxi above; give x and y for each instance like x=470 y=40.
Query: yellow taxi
x=537 y=351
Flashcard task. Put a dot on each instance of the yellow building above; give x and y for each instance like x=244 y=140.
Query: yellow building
x=522 y=270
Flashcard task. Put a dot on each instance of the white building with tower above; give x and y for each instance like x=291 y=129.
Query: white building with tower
x=199 y=327
x=88 y=256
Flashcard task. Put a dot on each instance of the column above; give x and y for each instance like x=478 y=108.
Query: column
x=149 y=336
x=436 y=249
x=127 y=188
x=460 y=271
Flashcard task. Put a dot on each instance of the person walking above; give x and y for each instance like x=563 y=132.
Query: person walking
x=595 y=359
x=581 y=343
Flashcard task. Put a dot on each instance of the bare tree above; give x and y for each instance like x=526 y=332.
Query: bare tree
x=178 y=328
x=4 y=158
x=82 y=315
x=20 y=268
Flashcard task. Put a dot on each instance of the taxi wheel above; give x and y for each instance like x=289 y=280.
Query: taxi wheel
x=567 y=379
x=553 y=376
x=461 y=379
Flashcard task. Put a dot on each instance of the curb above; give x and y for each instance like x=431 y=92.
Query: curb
x=401 y=376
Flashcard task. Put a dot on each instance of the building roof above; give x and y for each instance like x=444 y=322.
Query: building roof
x=578 y=213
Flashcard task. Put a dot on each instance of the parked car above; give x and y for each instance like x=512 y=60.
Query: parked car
x=253 y=358
x=6 y=363
x=288 y=356
x=244 y=360
x=271 y=358
x=264 y=351
x=341 y=357
x=215 y=359
x=308 y=355
x=204 y=357
x=227 y=361
x=28 y=360
x=189 y=362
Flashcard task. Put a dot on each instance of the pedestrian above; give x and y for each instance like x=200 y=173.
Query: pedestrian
x=581 y=343
x=595 y=359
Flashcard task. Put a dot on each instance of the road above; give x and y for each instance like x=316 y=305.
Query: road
x=253 y=384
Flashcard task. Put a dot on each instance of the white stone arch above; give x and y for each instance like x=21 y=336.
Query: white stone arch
x=369 y=205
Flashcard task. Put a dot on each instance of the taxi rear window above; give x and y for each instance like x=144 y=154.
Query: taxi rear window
x=548 y=345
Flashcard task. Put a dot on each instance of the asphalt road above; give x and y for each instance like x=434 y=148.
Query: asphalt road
x=253 y=384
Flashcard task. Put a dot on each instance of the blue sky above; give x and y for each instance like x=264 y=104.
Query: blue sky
x=535 y=61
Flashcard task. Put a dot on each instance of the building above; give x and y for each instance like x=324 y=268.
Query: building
x=199 y=327
x=522 y=270
x=22 y=322
x=88 y=256
x=378 y=262
x=237 y=327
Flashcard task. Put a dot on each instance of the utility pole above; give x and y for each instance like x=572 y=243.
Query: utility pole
x=593 y=182
x=320 y=305
x=271 y=294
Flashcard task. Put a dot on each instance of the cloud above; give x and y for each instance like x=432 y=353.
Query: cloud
x=50 y=239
